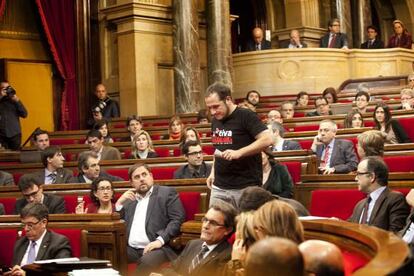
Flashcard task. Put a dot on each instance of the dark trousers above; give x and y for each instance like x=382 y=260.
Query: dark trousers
x=147 y=263
x=12 y=143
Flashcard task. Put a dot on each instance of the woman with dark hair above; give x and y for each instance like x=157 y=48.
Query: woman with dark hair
x=189 y=133
x=401 y=37
x=302 y=99
x=276 y=177
x=354 y=119
x=394 y=132
x=142 y=147
x=102 y=196
x=175 y=128
x=102 y=126
x=330 y=95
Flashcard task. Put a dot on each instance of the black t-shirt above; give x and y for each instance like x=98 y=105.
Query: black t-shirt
x=237 y=131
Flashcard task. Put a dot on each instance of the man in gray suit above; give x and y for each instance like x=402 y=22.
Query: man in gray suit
x=38 y=243
x=6 y=179
x=279 y=143
x=53 y=173
x=153 y=216
x=32 y=191
x=208 y=255
x=334 y=155
x=95 y=141
x=382 y=208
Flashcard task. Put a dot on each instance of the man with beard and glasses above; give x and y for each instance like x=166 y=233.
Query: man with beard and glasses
x=153 y=215
x=239 y=137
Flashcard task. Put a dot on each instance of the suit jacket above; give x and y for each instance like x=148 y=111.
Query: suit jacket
x=286 y=44
x=389 y=213
x=343 y=157
x=315 y=113
x=53 y=246
x=54 y=203
x=80 y=179
x=279 y=182
x=110 y=153
x=265 y=45
x=111 y=110
x=2 y=211
x=63 y=176
x=378 y=44
x=184 y=172
x=340 y=41
x=6 y=179
x=291 y=145
x=10 y=112
x=212 y=264
x=165 y=214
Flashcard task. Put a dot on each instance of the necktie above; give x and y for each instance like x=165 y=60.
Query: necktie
x=326 y=157
x=31 y=256
x=198 y=258
x=333 y=40
x=52 y=177
x=364 y=219
x=370 y=44
x=258 y=48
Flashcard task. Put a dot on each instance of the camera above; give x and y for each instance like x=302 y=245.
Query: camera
x=10 y=91
x=99 y=107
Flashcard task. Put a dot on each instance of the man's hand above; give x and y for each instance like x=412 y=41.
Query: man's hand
x=231 y=155
x=152 y=245
x=327 y=170
x=128 y=195
x=16 y=271
x=14 y=98
x=97 y=116
x=210 y=180
x=410 y=198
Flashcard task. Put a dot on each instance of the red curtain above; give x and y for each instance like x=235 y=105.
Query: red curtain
x=2 y=7
x=58 y=20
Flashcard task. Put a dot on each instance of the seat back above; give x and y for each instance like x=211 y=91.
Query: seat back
x=191 y=203
x=75 y=239
x=8 y=238
x=9 y=203
x=122 y=173
x=400 y=163
x=294 y=169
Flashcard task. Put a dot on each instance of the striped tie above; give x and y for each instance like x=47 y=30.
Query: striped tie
x=198 y=258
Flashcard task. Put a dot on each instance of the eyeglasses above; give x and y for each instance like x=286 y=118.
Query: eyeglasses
x=101 y=189
x=411 y=80
x=31 y=194
x=195 y=153
x=29 y=225
x=362 y=173
x=212 y=222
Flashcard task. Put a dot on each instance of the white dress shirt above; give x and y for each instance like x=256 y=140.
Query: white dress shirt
x=37 y=247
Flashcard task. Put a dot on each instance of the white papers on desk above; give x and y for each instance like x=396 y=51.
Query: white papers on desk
x=58 y=261
x=98 y=271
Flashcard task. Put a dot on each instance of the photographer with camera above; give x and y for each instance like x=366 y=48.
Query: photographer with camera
x=104 y=108
x=11 y=108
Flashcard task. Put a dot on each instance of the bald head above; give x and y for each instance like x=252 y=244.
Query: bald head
x=257 y=35
x=322 y=258
x=274 y=256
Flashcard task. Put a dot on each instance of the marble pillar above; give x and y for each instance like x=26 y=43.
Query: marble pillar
x=186 y=56
x=220 y=68
x=343 y=8
x=364 y=18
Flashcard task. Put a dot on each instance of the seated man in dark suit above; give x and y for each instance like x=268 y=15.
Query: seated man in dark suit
x=134 y=125
x=195 y=167
x=334 y=155
x=89 y=169
x=322 y=108
x=209 y=254
x=280 y=144
x=38 y=243
x=32 y=190
x=95 y=141
x=382 y=208
x=6 y=179
x=373 y=42
x=334 y=38
x=104 y=107
x=53 y=173
x=258 y=43
x=294 y=41
x=153 y=215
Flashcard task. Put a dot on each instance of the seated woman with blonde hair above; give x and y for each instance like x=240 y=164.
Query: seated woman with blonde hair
x=142 y=147
x=102 y=196
x=371 y=143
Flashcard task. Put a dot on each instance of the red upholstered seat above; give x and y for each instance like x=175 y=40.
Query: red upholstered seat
x=70 y=203
x=306 y=128
x=334 y=203
x=407 y=124
x=298 y=114
x=400 y=163
x=294 y=169
x=75 y=239
x=305 y=144
x=209 y=150
x=162 y=152
x=8 y=238
x=16 y=177
x=353 y=261
x=177 y=152
x=163 y=173
x=123 y=173
x=118 y=125
x=127 y=153
x=369 y=123
x=191 y=203
x=165 y=123
x=9 y=203
x=64 y=141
